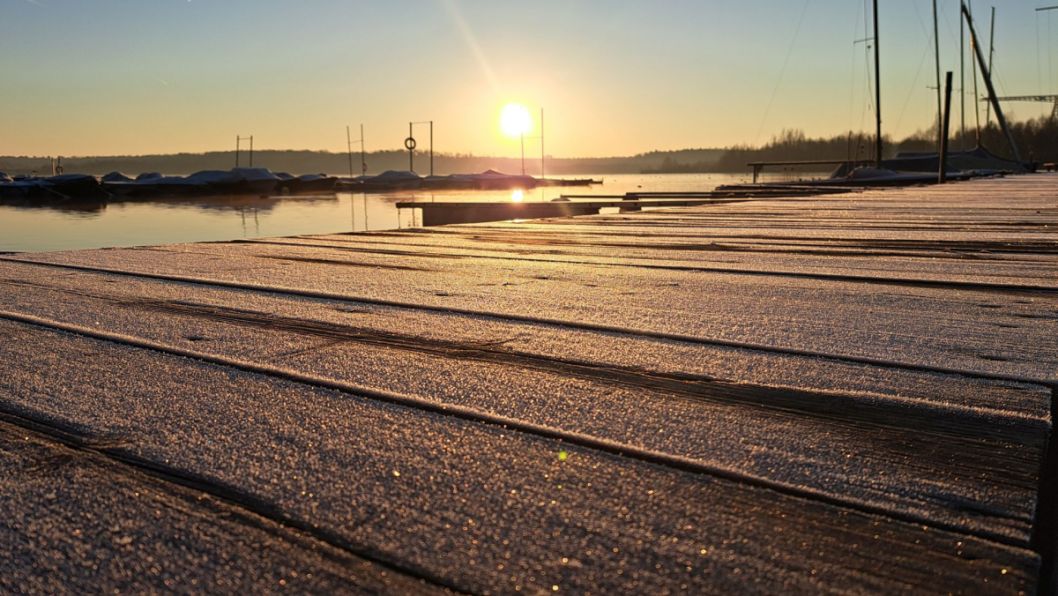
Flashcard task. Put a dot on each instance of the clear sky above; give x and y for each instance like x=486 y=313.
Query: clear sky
x=93 y=77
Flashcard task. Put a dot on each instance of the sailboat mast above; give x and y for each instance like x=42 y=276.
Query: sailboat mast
x=363 y=155
x=936 y=60
x=991 y=54
x=977 y=112
x=877 y=94
x=962 y=84
x=349 y=148
x=986 y=74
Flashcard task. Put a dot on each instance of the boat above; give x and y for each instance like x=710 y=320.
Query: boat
x=52 y=189
x=493 y=180
x=259 y=181
x=388 y=181
x=306 y=183
x=148 y=184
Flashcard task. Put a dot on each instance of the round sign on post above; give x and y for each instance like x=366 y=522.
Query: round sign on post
x=409 y=143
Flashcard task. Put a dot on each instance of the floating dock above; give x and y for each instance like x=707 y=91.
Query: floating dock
x=851 y=392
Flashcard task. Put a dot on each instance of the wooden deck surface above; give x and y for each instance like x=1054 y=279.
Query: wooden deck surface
x=839 y=393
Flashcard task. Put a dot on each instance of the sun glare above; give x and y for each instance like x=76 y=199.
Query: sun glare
x=515 y=120
x=517 y=196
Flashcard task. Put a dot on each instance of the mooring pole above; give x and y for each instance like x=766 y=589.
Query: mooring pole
x=431 y=147
x=363 y=156
x=251 y=151
x=523 y=154
x=411 y=150
x=942 y=156
x=877 y=93
x=238 y=140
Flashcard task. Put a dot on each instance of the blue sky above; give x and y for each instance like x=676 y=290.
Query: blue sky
x=614 y=77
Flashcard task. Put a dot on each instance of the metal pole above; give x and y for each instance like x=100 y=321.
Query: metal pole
x=523 y=154
x=936 y=60
x=991 y=54
x=987 y=75
x=349 y=148
x=238 y=140
x=363 y=156
x=411 y=152
x=251 y=151
x=942 y=156
x=431 y=147
x=877 y=92
x=541 y=143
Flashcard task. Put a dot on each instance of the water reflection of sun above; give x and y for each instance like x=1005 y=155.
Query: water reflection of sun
x=517 y=196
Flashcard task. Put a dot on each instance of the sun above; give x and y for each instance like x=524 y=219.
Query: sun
x=515 y=120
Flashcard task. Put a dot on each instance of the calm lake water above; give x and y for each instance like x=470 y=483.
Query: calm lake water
x=140 y=223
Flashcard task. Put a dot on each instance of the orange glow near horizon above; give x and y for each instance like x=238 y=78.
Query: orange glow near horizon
x=616 y=78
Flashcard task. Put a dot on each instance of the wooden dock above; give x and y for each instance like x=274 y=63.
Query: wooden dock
x=848 y=393
x=453 y=212
x=450 y=212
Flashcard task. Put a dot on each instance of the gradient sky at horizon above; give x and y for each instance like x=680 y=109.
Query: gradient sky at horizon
x=122 y=77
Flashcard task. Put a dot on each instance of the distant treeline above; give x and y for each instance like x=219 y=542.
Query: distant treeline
x=302 y=162
x=1037 y=140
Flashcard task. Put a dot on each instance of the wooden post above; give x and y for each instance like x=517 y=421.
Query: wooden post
x=431 y=147
x=942 y=157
